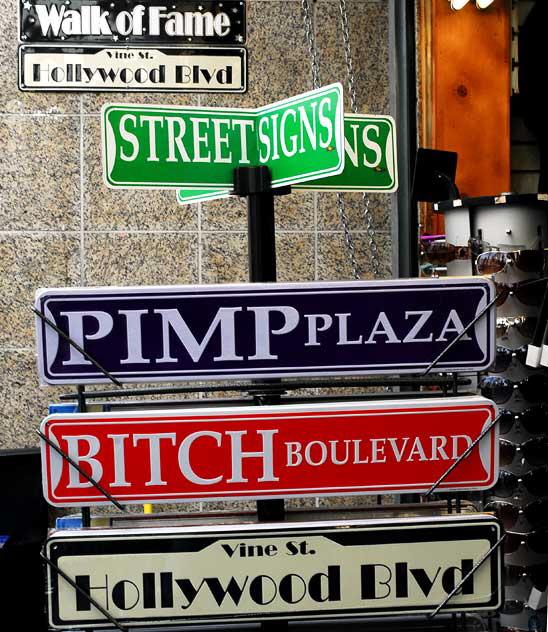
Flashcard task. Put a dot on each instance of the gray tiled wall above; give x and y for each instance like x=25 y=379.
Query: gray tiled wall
x=60 y=226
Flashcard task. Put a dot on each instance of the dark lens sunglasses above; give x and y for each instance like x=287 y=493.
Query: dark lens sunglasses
x=534 y=388
x=534 y=451
x=527 y=292
x=535 y=482
x=524 y=326
x=524 y=260
x=513 y=606
x=538 y=575
x=504 y=358
x=536 y=513
x=534 y=420
x=536 y=541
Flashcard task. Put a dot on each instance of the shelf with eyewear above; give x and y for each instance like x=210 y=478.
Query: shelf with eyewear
x=520 y=497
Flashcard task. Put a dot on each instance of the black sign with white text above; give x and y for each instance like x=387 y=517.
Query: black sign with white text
x=143 y=334
x=176 y=22
x=252 y=572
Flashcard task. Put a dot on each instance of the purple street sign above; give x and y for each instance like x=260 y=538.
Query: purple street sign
x=149 y=334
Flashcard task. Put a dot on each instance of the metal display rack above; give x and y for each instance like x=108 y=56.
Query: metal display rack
x=254 y=184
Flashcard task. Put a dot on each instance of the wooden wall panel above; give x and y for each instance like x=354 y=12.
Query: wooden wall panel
x=465 y=92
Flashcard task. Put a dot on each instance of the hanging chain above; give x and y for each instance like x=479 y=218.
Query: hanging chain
x=311 y=42
x=373 y=250
x=348 y=57
x=310 y=38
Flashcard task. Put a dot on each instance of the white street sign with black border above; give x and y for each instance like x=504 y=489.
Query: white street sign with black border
x=132 y=69
x=256 y=572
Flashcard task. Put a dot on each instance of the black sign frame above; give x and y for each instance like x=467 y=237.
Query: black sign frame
x=182 y=16
x=113 y=542
x=288 y=360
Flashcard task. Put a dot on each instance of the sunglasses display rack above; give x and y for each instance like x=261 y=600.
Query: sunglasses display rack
x=504 y=237
x=520 y=497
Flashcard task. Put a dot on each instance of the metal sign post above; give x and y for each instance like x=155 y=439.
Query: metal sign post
x=255 y=183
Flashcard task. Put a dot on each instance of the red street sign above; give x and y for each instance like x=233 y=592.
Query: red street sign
x=270 y=452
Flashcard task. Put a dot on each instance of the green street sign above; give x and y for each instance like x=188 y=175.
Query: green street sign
x=370 y=157
x=299 y=139
x=370 y=161
x=188 y=196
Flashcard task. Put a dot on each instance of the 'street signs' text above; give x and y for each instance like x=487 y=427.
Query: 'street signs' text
x=299 y=139
x=370 y=162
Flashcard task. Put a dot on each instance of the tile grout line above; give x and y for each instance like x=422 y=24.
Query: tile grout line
x=15 y=349
x=241 y=231
x=82 y=221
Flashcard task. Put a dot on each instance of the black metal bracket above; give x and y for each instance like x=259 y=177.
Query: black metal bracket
x=79 y=469
x=255 y=183
x=68 y=579
x=462 y=457
x=455 y=590
x=255 y=180
x=277 y=388
x=74 y=344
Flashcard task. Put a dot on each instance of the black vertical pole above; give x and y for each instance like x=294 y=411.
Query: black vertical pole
x=255 y=184
x=86 y=514
x=402 y=47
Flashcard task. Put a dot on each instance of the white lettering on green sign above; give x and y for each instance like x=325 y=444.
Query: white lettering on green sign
x=298 y=139
x=370 y=161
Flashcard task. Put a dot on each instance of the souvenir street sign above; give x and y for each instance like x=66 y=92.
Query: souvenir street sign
x=144 y=334
x=370 y=161
x=196 y=195
x=299 y=139
x=370 y=157
x=270 y=452
x=256 y=572
x=90 y=68
x=132 y=22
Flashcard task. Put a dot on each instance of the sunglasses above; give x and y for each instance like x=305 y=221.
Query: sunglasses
x=538 y=575
x=536 y=513
x=524 y=260
x=534 y=451
x=535 y=482
x=536 y=541
x=504 y=358
x=525 y=326
x=513 y=606
x=528 y=292
x=534 y=388
x=534 y=420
